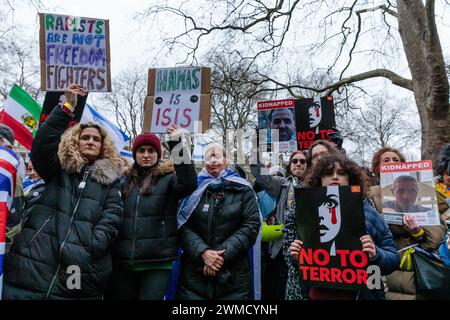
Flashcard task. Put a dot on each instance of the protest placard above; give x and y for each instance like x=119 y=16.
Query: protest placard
x=408 y=188
x=179 y=96
x=330 y=222
x=276 y=123
x=74 y=50
x=314 y=120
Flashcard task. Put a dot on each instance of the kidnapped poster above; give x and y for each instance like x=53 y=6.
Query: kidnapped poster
x=314 y=120
x=330 y=222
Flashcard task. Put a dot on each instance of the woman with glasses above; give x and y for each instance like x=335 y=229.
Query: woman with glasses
x=280 y=188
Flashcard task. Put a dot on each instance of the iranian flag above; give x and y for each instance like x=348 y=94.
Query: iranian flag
x=21 y=114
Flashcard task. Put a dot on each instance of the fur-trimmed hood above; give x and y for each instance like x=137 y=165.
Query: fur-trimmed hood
x=163 y=168
x=103 y=171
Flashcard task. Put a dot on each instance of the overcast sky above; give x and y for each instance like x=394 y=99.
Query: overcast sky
x=129 y=43
x=134 y=43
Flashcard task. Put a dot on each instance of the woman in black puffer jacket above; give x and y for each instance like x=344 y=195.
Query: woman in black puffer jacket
x=219 y=224
x=147 y=243
x=63 y=249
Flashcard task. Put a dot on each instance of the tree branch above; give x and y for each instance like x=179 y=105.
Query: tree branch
x=382 y=7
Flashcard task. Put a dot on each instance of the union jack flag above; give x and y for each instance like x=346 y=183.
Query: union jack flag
x=8 y=169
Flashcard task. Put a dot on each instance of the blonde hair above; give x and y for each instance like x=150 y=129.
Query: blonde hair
x=69 y=151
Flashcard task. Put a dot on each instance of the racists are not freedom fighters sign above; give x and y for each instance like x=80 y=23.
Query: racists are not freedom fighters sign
x=74 y=50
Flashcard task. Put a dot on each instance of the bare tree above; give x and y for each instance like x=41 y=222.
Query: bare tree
x=388 y=121
x=233 y=98
x=126 y=101
x=18 y=63
x=264 y=27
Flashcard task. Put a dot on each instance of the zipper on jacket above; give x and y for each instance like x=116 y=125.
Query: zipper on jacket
x=55 y=276
x=135 y=226
x=40 y=229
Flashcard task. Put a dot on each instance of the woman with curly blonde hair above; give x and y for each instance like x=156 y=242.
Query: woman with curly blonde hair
x=63 y=251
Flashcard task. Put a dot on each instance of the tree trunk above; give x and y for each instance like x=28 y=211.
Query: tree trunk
x=423 y=51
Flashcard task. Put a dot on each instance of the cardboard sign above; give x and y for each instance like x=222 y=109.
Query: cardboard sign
x=57 y=99
x=408 y=188
x=179 y=96
x=74 y=50
x=276 y=123
x=314 y=119
x=330 y=222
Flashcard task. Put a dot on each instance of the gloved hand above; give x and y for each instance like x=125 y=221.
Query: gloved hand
x=336 y=138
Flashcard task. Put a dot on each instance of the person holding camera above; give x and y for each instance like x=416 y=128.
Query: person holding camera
x=218 y=224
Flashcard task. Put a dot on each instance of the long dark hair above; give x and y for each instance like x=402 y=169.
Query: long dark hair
x=288 y=166
x=326 y=165
x=141 y=178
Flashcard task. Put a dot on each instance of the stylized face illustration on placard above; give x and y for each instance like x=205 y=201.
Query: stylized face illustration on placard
x=315 y=114
x=330 y=215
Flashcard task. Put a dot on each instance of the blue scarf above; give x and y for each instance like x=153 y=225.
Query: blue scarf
x=187 y=207
x=204 y=180
x=28 y=182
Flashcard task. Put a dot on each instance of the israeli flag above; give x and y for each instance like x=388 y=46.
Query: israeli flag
x=118 y=136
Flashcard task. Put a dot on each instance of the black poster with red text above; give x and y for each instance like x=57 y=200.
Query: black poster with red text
x=58 y=98
x=330 y=222
x=314 y=120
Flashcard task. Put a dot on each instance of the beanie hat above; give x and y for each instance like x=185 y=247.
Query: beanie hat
x=149 y=139
x=277 y=169
x=6 y=133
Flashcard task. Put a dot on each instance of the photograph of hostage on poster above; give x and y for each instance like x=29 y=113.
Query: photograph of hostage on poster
x=314 y=120
x=330 y=221
x=408 y=188
x=277 y=115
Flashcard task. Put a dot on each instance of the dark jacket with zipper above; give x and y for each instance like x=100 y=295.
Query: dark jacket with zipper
x=149 y=230
x=229 y=223
x=70 y=227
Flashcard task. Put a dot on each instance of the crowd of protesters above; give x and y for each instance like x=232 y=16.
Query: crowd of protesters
x=136 y=231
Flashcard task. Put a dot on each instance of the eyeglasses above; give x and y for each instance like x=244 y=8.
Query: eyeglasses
x=296 y=160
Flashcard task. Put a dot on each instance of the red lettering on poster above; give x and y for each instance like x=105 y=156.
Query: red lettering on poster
x=315 y=266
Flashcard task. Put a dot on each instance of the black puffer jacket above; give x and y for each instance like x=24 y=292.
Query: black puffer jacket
x=67 y=226
x=31 y=198
x=149 y=230
x=230 y=224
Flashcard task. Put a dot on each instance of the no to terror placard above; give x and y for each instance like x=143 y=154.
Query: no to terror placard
x=314 y=120
x=330 y=222
x=179 y=96
x=74 y=50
